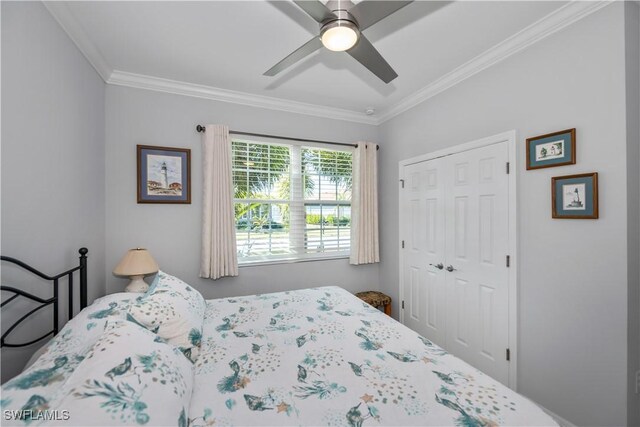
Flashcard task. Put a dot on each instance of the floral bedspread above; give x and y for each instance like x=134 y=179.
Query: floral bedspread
x=323 y=357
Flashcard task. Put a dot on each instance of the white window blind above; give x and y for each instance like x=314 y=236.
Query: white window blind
x=292 y=202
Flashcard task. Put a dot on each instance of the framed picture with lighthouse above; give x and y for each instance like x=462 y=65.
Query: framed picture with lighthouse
x=164 y=174
x=575 y=196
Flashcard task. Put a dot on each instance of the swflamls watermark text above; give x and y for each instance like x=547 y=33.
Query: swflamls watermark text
x=37 y=415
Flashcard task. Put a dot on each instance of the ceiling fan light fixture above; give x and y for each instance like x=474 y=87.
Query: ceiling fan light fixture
x=339 y=35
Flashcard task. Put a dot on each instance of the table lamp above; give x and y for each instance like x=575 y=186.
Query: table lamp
x=136 y=264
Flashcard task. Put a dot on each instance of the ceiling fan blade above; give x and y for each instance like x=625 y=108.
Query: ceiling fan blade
x=306 y=49
x=315 y=9
x=369 y=12
x=367 y=55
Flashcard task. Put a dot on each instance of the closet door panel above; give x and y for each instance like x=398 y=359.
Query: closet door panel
x=476 y=200
x=422 y=228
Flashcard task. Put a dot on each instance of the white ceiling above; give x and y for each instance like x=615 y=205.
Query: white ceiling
x=228 y=45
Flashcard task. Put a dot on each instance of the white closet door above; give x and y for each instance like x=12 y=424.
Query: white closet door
x=454 y=211
x=476 y=249
x=423 y=227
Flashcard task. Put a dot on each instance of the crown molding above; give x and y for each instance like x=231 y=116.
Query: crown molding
x=69 y=23
x=546 y=26
x=140 y=81
x=549 y=24
x=63 y=15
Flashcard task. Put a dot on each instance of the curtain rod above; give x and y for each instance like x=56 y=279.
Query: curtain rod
x=201 y=129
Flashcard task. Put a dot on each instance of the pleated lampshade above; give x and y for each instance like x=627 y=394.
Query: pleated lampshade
x=136 y=262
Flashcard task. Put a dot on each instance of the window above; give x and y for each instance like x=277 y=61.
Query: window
x=291 y=201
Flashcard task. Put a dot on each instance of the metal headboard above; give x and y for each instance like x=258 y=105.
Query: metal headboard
x=54 y=300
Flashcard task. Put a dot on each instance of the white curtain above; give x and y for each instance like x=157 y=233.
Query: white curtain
x=364 y=205
x=219 y=255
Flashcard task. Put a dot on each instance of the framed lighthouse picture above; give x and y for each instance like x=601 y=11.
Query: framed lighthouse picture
x=164 y=174
x=575 y=196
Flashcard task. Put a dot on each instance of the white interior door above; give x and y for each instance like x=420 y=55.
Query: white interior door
x=477 y=242
x=454 y=212
x=423 y=225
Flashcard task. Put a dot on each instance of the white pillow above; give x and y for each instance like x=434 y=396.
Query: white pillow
x=40 y=383
x=173 y=310
x=129 y=377
x=35 y=388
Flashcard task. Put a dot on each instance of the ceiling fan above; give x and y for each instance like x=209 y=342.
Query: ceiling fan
x=341 y=25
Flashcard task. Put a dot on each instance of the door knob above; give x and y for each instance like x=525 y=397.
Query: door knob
x=439 y=266
x=450 y=268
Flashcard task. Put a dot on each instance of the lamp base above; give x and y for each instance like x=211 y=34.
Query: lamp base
x=137 y=285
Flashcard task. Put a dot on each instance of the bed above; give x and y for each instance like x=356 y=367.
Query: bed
x=317 y=356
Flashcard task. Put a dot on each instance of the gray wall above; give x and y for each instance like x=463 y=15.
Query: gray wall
x=573 y=273
x=172 y=232
x=576 y=288
x=52 y=158
x=632 y=47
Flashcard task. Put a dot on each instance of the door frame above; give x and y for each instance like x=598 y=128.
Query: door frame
x=513 y=283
